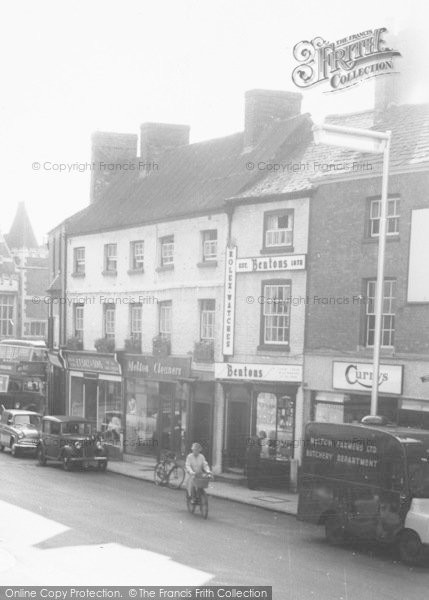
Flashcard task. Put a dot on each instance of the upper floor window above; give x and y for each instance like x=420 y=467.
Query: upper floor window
x=78 y=321
x=392 y=225
x=7 y=304
x=388 y=318
x=165 y=310
x=79 y=260
x=109 y=321
x=209 y=245
x=278 y=230
x=136 y=322
x=35 y=328
x=137 y=255
x=208 y=311
x=110 y=257
x=275 y=318
x=167 y=250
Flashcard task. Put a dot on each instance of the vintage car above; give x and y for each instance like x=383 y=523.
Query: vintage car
x=19 y=430
x=71 y=441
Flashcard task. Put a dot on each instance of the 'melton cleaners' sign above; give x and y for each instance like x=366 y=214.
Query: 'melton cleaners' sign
x=358 y=377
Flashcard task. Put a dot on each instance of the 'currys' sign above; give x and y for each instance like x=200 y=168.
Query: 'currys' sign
x=358 y=377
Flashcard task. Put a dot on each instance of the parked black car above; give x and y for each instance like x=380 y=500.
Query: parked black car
x=72 y=441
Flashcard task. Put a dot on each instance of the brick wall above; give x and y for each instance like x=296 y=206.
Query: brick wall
x=341 y=257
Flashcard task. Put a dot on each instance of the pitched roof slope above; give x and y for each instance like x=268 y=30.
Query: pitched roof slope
x=190 y=179
x=310 y=164
x=21 y=234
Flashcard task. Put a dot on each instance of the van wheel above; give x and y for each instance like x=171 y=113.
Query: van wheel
x=334 y=530
x=411 y=548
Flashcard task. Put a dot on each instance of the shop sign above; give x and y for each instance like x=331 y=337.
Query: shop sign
x=258 y=372
x=263 y=264
x=149 y=367
x=10 y=353
x=358 y=377
x=98 y=363
x=4 y=382
x=229 y=301
x=31 y=369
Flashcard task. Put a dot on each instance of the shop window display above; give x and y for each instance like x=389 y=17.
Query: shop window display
x=274 y=425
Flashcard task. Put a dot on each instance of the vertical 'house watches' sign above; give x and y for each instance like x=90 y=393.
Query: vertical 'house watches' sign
x=229 y=301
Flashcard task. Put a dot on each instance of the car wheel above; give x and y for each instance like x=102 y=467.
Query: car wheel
x=334 y=530
x=41 y=456
x=411 y=548
x=66 y=463
x=13 y=449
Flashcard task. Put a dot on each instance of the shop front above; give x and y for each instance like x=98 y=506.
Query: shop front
x=94 y=391
x=260 y=400
x=340 y=391
x=156 y=404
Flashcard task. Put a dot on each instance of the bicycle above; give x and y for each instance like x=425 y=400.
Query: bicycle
x=168 y=472
x=199 y=497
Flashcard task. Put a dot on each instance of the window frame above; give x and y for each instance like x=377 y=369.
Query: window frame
x=134 y=262
x=162 y=305
x=209 y=258
x=78 y=332
x=396 y=217
x=136 y=335
x=269 y=345
x=78 y=262
x=166 y=240
x=278 y=249
x=391 y=315
x=7 y=312
x=110 y=258
x=109 y=309
x=206 y=311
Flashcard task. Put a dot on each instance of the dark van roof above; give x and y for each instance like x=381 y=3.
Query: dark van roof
x=402 y=434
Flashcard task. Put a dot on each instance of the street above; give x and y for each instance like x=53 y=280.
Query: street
x=91 y=528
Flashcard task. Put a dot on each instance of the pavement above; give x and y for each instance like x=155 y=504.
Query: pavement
x=270 y=499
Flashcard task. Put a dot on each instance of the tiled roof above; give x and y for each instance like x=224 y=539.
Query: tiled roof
x=190 y=179
x=21 y=234
x=310 y=164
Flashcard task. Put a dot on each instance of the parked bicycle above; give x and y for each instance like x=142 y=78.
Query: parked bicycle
x=199 y=496
x=169 y=472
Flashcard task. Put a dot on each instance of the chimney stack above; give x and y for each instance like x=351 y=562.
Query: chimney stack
x=108 y=152
x=156 y=138
x=263 y=107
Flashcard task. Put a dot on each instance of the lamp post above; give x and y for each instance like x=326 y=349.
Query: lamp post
x=375 y=142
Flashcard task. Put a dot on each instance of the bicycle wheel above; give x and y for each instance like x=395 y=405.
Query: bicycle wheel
x=159 y=475
x=204 y=504
x=190 y=506
x=176 y=477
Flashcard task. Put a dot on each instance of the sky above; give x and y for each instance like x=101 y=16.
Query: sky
x=72 y=68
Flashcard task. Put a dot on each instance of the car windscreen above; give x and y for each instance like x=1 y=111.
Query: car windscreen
x=76 y=428
x=27 y=420
x=418 y=470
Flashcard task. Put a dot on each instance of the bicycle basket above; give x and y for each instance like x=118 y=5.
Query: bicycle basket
x=201 y=482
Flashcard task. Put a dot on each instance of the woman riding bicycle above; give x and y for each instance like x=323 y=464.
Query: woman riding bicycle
x=195 y=465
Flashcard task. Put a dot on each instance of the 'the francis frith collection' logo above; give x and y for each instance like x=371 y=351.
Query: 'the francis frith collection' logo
x=345 y=62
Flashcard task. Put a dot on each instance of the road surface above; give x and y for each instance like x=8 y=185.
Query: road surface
x=91 y=528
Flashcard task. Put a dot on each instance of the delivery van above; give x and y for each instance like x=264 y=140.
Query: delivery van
x=368 y=481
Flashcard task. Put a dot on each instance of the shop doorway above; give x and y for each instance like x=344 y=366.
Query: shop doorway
x=91 y=386
x=237 y=426
x=201 y=427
